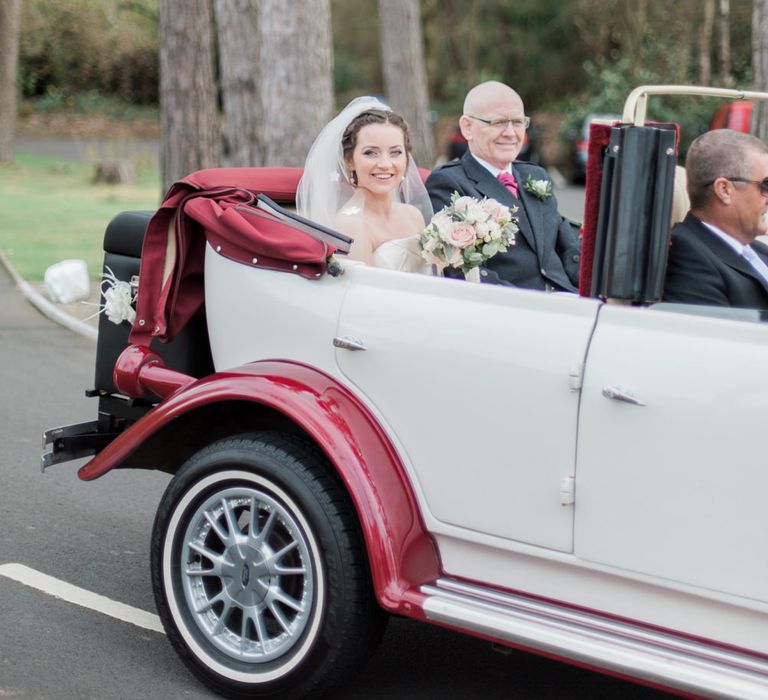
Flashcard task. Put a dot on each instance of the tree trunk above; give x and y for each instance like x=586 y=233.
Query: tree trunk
x=705 y=43
x=635 y=23
x=237 y=23
x=294 y=85
x=405 y=81
x=9 y=56
x=759 y=121
x=472 y=36
x=188 y=111
x=724 y=68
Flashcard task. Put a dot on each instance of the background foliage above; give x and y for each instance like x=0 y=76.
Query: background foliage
x=568 y=56
x=71 y=48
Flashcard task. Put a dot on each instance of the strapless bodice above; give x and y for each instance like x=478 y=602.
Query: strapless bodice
x=403 y=254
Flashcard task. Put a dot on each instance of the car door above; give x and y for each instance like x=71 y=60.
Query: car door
x=473 y=383
x=674 y=484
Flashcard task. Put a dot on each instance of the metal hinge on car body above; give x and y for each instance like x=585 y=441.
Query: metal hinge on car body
x=575 y=376
x=567 y=490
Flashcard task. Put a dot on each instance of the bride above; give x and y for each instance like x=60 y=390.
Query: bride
x=360 y=179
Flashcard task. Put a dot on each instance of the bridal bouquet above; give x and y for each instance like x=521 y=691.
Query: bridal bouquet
x=468 y=232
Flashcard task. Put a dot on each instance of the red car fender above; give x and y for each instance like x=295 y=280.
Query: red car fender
x=400 y=551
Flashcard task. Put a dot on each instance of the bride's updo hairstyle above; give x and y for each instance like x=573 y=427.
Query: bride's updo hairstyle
x=373 y=116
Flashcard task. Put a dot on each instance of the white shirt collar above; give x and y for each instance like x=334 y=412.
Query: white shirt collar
x=756 y=262
x=737 y=246
x=492 y=169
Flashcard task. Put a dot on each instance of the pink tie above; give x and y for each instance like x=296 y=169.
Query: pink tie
x=508 y=180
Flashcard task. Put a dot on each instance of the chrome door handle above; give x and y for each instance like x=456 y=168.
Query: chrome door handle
x=346 y=343
x=618 y=394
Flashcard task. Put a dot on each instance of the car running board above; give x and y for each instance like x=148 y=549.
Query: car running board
x=618 y=647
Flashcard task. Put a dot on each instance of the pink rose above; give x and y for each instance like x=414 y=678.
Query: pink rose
x=460 y=235
x=497 y=210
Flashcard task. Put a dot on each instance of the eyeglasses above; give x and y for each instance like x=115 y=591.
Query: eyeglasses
x=762 y=184
x=501 y=124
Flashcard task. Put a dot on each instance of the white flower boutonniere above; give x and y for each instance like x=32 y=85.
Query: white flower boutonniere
x=541 y=189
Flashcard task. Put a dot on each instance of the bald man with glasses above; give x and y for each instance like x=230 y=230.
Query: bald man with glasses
x=714 y=258
x=547 y=252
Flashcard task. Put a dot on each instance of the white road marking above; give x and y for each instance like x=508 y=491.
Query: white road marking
x=80 y=596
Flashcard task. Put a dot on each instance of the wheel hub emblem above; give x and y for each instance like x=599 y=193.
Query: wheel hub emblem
x=246 y=575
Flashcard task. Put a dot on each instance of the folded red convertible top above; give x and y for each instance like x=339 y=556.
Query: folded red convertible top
x=217 y=206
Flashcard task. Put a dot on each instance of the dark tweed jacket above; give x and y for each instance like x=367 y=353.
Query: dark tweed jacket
x=548 y=249
x=702 y=269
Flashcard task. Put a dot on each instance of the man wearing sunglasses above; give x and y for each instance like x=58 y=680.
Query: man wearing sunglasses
x=547 y=251
x=714 y=258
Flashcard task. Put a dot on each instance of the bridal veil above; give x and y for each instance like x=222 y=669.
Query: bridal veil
x=324 y=186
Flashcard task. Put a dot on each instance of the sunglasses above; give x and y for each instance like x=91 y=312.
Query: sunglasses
x=762 y=184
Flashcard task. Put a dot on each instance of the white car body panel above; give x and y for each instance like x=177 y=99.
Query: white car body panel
x=474 y=381
x=696 y=451
x=256 y=315
x=458 y=374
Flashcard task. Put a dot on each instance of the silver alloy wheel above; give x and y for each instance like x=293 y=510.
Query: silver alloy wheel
x=247 y=574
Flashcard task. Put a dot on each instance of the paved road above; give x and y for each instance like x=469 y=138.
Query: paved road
x=570 y=201
x=90 y=149
x=92 y=535
x=95 y=535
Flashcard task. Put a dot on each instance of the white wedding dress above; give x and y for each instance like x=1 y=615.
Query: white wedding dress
x=403 y=255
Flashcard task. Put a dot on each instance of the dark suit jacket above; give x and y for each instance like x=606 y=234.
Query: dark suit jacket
x=548 y=248
x=702 y=269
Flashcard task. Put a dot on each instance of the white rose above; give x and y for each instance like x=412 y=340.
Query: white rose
x=539 y=188
x=475 y=214
x=455 y=258
x=483 y=229
x=494 y=231
x=441 y=223
x=504 y=214
x=429 y=242
x=463 y=203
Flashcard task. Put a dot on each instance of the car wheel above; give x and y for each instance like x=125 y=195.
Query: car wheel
x=259 y=572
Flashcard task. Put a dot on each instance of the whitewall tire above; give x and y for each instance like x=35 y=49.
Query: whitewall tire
x=259 y=571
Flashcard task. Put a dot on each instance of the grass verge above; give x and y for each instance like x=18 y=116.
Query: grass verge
x=50 y=210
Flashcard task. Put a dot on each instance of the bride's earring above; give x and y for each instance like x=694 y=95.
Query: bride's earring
x=353 y=178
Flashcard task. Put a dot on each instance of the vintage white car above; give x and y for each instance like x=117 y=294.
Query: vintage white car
x=579 y=476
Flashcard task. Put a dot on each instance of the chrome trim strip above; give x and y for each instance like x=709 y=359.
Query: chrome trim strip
x=621 y=647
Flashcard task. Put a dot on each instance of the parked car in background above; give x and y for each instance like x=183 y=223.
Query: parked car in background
x=733 y=115
x=457 y=144
x=579 y=146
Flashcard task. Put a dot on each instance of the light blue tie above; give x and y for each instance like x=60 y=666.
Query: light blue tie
x=756 y=262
